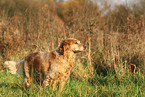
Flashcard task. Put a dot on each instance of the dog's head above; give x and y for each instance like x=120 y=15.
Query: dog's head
x=71 y=44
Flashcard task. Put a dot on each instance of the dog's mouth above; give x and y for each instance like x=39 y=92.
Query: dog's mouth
x=80 y=49
x=77 y=51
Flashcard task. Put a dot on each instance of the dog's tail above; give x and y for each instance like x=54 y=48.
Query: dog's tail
x=14 y=67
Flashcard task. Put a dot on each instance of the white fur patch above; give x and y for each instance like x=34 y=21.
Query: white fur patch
x=11 y=66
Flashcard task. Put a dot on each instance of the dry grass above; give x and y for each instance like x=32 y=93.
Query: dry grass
x=115 y=42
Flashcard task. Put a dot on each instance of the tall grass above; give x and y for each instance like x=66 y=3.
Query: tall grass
x=112 y=65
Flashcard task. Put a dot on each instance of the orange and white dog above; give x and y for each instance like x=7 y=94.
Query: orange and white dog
x=48 y=68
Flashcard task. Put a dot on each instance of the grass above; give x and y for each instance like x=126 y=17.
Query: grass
x=109 y=86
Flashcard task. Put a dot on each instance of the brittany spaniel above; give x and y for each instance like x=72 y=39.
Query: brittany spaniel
x=48 y=68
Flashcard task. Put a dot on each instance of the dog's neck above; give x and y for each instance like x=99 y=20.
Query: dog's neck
x=66 y=53
x=69 y=56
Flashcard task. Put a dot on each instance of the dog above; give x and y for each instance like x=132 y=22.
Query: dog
x=48 y=69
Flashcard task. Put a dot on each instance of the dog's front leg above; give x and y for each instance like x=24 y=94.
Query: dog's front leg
x=50 y=80
x=63 y=81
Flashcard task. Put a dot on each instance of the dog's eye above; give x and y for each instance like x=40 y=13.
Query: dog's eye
x=76 y=42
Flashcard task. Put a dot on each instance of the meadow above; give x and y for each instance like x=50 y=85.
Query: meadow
x=113 y=64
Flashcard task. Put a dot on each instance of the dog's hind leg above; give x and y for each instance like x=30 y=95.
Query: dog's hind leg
x=27 y=76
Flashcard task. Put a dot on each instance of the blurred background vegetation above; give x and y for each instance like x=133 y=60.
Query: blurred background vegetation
x=115 y=41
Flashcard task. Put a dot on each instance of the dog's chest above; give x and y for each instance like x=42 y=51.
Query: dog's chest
x=65 y=64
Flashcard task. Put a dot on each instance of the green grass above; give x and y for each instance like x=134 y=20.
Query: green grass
x=132 y=85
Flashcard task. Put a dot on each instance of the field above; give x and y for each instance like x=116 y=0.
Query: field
x=113 y=63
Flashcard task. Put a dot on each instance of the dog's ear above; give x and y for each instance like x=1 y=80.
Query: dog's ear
x=63 y=47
